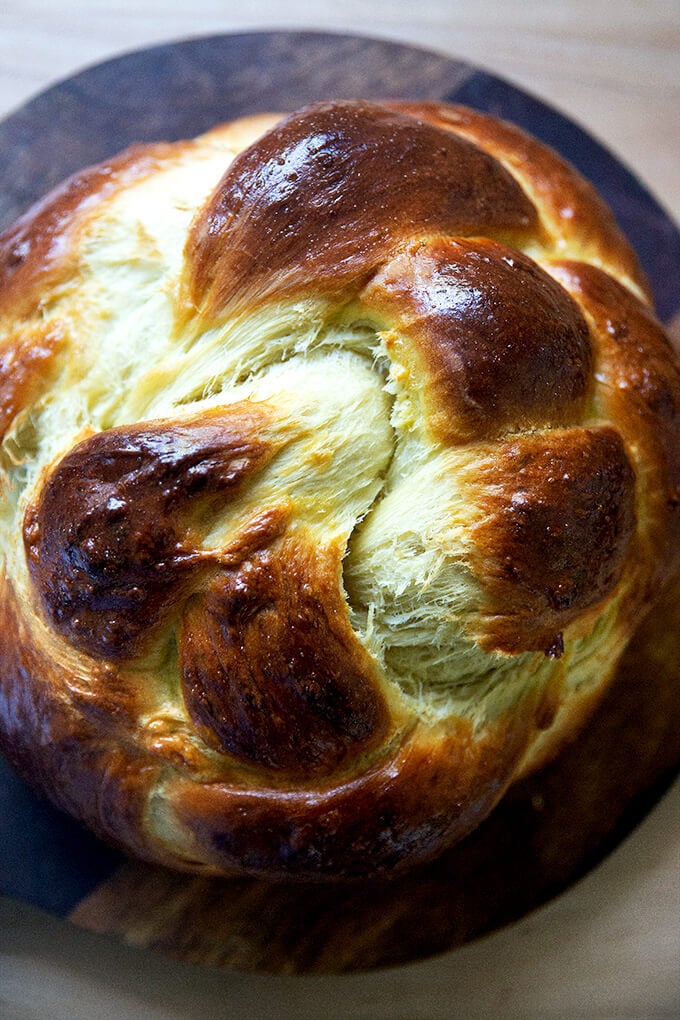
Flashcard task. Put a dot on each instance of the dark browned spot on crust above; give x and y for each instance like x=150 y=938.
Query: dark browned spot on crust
x=26 y=366
x=36 y=251
x=116 y=529
x=559 y=514
x=272 y=670
x=498 y=342
x=322 y=199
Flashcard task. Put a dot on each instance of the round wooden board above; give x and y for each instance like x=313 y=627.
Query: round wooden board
x=549 y=829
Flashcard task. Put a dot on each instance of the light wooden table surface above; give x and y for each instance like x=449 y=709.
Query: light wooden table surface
x=610 y=946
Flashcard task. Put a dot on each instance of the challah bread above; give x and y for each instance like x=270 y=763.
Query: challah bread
x=340 y=462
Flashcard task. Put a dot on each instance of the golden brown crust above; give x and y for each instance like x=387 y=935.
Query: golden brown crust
x=393 y=814
x=36 y=253
x=572 y=213
x=272 y=671
x=497 y=344
x=27 y=363
x=639 y=390
x=65 y=731
x=319 y=201
x=559 y=514
x=114 y=539
x=180 y=664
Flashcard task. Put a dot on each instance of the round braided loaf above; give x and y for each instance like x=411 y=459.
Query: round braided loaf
x=340 y=460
